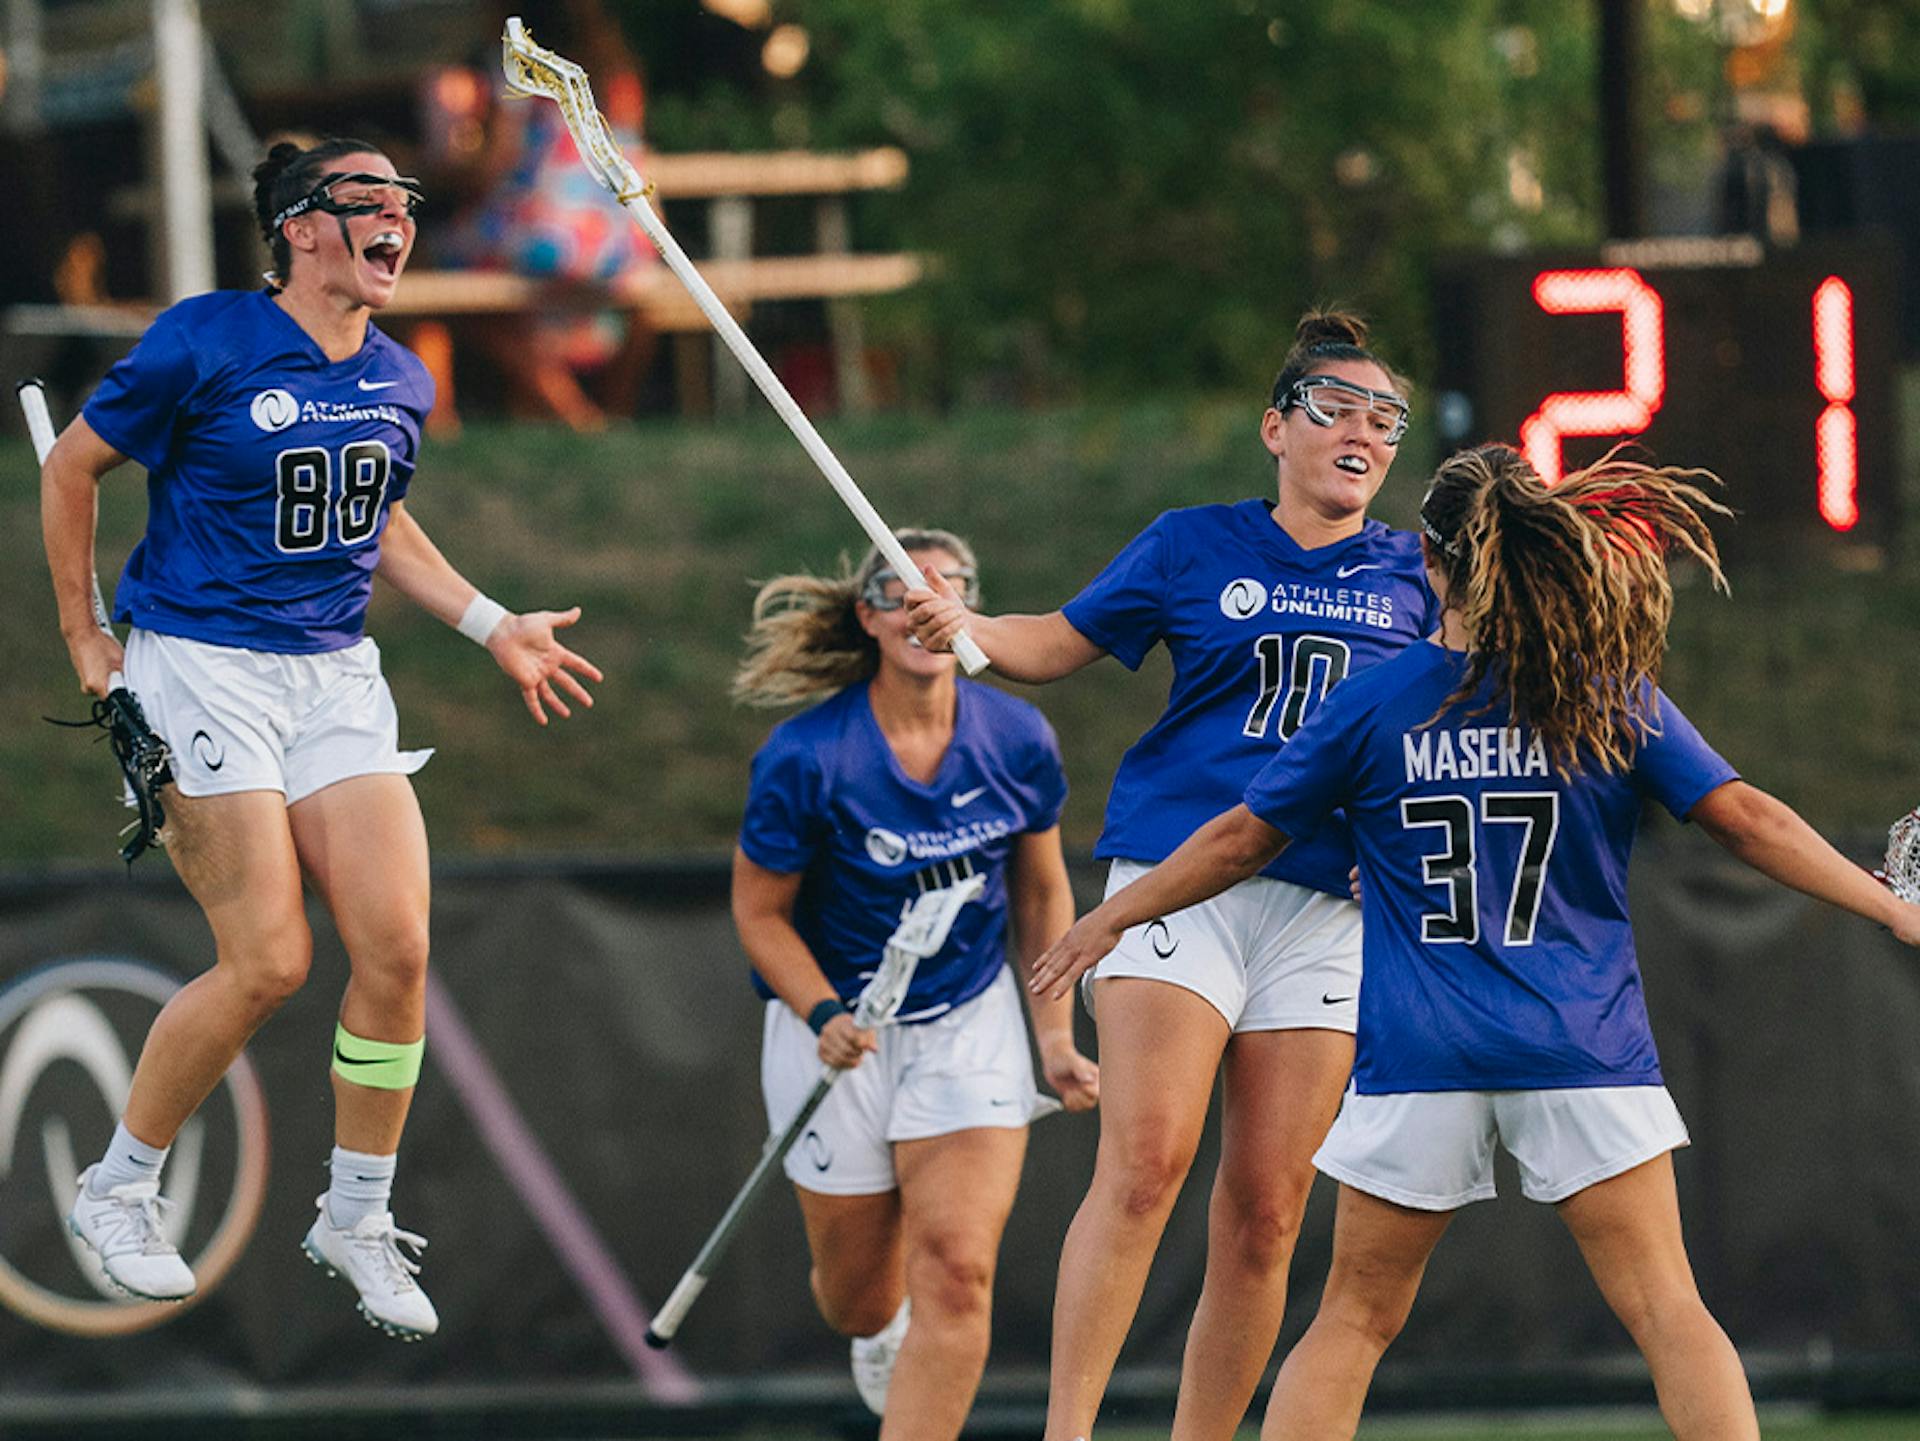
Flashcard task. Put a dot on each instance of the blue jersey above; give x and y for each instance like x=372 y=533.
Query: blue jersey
x=269 y=472
x=829 y=800
x=1260 y=630
x=1498 y=953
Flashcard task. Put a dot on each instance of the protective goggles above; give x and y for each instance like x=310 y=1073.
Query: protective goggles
x=1329 y=400
x=879 y=596
x=364 y=195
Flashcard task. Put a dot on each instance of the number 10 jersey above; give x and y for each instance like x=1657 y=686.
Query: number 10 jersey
x=270 y=470
x=1260 y=629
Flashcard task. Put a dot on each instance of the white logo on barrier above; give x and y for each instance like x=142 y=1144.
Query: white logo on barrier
x=274 y=410
x=1243 y=599
x=886 y=847
x=77 y=1014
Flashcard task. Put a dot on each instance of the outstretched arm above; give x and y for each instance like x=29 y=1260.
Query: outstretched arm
x=524 y=646
x=1222 y=853
x=1031 y=648
x=1042 y=905
x=1770 y=836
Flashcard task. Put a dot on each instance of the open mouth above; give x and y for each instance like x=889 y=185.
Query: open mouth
x=1352 y=464
x=383 y=252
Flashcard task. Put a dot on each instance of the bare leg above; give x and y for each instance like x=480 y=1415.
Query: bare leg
x=859 y=1272
x=1281 y=1092
x=1380 y=1252
x=955 y=1192
x=1160 y=1045
x=1628 y=1228
x=364 y=846
x=236 y=857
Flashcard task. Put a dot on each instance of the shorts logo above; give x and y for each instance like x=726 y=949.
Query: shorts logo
x=206 y=752
x=1161 y=938
x=1243 y=599
x=819 y=1154
x=886 y=848
x=274 y=410
x=67 y=1035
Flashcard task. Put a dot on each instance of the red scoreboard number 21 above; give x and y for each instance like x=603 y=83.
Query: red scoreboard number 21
x=1773 y=369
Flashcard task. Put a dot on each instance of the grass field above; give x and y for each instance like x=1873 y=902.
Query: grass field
x=656 y=529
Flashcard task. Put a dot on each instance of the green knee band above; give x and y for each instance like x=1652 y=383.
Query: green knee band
x=383 y=1065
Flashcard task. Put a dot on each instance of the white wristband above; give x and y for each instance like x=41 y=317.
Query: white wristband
x=482 y=615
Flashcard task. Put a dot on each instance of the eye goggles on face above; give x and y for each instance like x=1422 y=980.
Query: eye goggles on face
x=367 y=195
x=877 y=596
x=1328 y=400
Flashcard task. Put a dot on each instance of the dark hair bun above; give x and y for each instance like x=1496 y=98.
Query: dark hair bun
x=266 y=176
x=1330 y=327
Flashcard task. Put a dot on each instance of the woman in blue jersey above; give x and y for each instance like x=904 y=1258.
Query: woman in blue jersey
x=901 y=779
x=1265 y=606
x=1493 y=781
x=279 y=431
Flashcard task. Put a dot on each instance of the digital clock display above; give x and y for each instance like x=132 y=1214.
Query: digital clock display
x=1774 y=369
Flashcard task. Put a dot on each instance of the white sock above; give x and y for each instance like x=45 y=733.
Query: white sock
x=362 y=1186
x=128 y=1161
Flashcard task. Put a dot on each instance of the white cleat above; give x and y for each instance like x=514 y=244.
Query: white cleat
x=369 y=1256
x=123 y=1228
x=873 y=1358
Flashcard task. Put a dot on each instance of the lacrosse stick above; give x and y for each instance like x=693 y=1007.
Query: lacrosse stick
x=143 y=757
x=533 y=70
x=1901 y=869
x=922 y=931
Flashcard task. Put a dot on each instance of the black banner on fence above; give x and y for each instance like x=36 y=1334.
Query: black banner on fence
x=591 y=1101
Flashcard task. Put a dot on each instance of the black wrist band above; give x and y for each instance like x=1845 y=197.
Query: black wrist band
x=818 y=1017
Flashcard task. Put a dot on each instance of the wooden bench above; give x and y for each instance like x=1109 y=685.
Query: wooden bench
x=708 y=376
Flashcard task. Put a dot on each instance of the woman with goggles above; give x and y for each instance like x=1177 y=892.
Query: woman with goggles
x=1265 y=605
x=279 y=429
x=901 y=779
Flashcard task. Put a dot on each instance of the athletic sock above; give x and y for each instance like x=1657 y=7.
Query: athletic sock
x=127 y=1162
x=362 y=1186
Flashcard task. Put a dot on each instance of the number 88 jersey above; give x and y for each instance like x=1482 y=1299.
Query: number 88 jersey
x=270 y=471
x=1260 y=629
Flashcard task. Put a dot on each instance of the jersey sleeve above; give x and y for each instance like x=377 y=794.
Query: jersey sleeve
x=135 y=407
x=1308 y=778
x=1046 y=777
x=1677 y=767
x=1123 y=609
x=785 y=817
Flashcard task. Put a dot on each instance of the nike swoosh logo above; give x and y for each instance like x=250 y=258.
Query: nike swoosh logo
x=967 y=798
x=344 y=1059
x=1327 y=1000
x=378 y=384
x=1347 y=570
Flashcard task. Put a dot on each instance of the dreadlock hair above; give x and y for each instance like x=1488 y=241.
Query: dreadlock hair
x=1564 y=590
x=1323 y=335
x=806 y=640
x=288 y=173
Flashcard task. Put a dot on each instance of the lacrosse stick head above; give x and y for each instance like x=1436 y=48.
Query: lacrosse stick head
x=922 y=931
x=1901 y=869
x=533 y=70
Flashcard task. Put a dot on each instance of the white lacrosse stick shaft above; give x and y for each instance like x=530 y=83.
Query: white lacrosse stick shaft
x=921 y=933
x=534 y=71
x=33 y=403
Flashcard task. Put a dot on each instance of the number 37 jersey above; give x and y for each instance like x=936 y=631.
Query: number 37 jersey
x=270 y=470
x=1260 y=630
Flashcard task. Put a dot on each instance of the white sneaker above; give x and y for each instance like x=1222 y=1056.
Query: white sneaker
x=123 y=1228
x=873 y=1358
x=369 y=1256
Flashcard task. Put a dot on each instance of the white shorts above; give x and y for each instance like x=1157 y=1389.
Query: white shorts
x=1269 y=955
x=967 y=1069
x=1433 y=1150
x=253 y=720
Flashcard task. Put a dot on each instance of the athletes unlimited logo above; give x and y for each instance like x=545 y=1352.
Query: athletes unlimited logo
x=886 y=848
x=1243 y=599
x=68 y=1032
x=274 y=410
